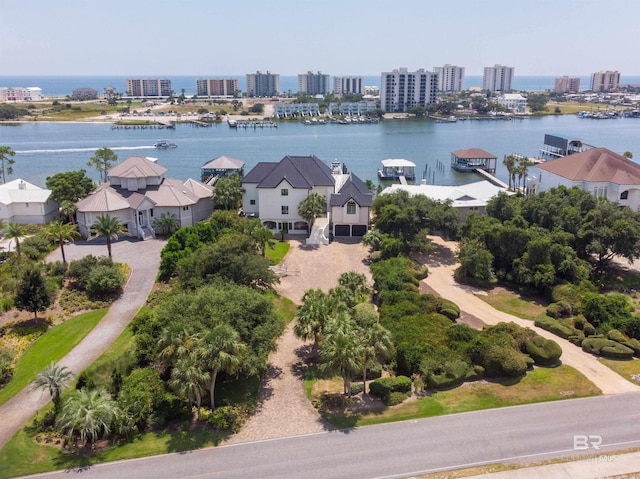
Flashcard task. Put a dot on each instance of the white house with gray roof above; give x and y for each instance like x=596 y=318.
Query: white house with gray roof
x=137 y=193
x=273 y=191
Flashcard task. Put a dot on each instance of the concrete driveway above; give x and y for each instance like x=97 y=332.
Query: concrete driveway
x=144 y=259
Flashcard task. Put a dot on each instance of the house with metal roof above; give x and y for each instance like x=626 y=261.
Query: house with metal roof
x=597 y=170
x=273 y=192
x=137 y=193
x=463 y=198
x=24 y=203
x=220 y=167
x=467 y=161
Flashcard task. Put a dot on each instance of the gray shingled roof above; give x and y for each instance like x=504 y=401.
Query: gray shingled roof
x=258 y=172
x=299 y=171
x=354 y=188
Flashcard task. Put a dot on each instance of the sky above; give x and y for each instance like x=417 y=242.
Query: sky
x=336 y=37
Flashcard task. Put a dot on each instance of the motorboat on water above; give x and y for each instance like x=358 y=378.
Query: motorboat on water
x=164 y=144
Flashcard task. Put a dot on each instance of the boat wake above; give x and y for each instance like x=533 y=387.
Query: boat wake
x=72 y=150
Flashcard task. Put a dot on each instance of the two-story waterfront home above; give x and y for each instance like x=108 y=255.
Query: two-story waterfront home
x=273 y=192
x=137 y=193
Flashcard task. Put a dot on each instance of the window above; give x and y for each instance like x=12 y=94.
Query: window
x=624 y=195
x=151 y=212
x=284 y=192
x=252 y=202
x=600 y=192
x=26 y=204
x=284 y=210
x=351 y=208
x=185 y=208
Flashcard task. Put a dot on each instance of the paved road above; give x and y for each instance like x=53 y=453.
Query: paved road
x=509 y=435
x=144 y=259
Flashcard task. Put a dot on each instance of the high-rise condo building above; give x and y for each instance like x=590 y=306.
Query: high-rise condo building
x=148 y=87
x=567 y=84
x=314 y=83
x=605 y=81
x=263 y=84
x=497 y=78
x=402 y=89
x=217 y=86
x=450 y=78
x=343 y=85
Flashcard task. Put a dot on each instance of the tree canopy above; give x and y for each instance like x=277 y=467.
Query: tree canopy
x=102 y=161
x=69 y=186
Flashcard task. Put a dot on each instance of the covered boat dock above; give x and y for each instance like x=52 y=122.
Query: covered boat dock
x=397 y=169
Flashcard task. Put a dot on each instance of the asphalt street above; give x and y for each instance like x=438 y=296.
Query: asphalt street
x=520 y=434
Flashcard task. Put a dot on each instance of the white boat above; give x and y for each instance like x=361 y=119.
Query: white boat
x=164 y=144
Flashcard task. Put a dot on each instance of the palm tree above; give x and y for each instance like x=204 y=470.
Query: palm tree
x=316 y=310
x=221 y=350
x=109 y=227
x=510 y=163
x=6 y=155
x=377 y=347
x=60 y=232
x=262 y=235
x=523 y=169
x=68 y=208
x=356 y=283
x=341 y=355
x=188 y=377
x=312 y=207
x=167 y=223
x=88 y=413
x=15 y=231
x=55 y=379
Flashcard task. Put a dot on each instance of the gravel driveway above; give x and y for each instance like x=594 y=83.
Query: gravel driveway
x=283 y=408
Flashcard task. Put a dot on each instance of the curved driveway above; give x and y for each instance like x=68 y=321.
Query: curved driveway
x=440 y=279
x=144 y=259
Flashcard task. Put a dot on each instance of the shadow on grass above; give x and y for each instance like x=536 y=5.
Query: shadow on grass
x=185 y=441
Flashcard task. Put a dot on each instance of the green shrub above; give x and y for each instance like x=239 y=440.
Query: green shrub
x=616 y=335
x=560 y=309
x=607 y=348
x=579 y=323
x=383 y=387
x=226 y=418
x=80 y=270
x=634 y=344
x=555 y=327
x=395 y=398
x=544 y=352
x=576 y=338
x=105 y=281
x=504 y=361
x=356 y=388
x=589 y=330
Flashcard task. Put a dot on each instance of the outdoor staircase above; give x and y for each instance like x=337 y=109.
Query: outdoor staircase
x=319 y=232
x=147 y=233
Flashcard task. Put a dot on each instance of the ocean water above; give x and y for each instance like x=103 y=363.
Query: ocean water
x=60 y=86
x=43 y=149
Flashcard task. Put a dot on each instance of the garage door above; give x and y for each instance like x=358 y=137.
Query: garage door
x=343 y=230
x=359 y=230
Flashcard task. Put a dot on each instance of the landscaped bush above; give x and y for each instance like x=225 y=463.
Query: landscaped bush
x=555 y=326
x=544 y=352
x=634 y=344
x=80 y=270
x=395 y=398
x=226 y=418
x=356 y=388
x=105 y=281
x=607 y=348
x=383 y=387
x=561 y=309
x=616 y=335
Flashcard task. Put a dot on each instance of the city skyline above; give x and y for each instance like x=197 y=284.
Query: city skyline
x=354 y=37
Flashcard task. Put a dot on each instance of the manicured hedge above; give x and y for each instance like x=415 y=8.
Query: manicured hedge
x=383 y=387
x=556 y=327
x=544 y=352
x=607 y=348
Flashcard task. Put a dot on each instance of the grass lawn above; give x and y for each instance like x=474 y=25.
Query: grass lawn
x=513 y=303
x=278 y=251
x=285 y=308
x=51 y=346
x=22 y=455
x=570 y=107
x=541 y=384
x=626 y=369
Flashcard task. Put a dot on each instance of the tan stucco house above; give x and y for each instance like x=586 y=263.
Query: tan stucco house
x=137 y=192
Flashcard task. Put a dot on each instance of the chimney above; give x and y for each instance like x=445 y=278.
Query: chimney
x=22 y=185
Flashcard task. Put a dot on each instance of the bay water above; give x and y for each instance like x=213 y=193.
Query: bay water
x=45 y=148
